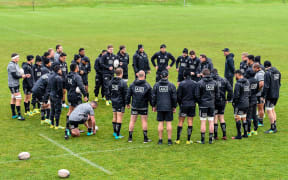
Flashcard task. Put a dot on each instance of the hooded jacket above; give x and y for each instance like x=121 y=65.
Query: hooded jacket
x=186 y=93
x=36 y=71
x=164 y=96
x=40 y=88
x=28 y=69
x=241 y=93
x=272 y=83
x=140 y=91
x=45 y=70
x=224 y=86
x=106 y=62
x=207 y=92
x=118 y=90
x=204 y=65
x=243 y=66
x=97 y=65
x=162 y=60
x=63 y=66
x=193 y=65
x=88 y=65
x=73 y=81
x=229 y=66
x=55 y=84
x=125 y=62
x=182 y=63
x=140 y=62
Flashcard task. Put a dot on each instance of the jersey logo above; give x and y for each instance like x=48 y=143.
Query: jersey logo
x=210 y=87
x=219 y=84
x=64 y=69
x=139 y=89
x=110 y=62
x=162 y=60
x=183 y=64
x=192 y=66
x=253 y=86
x=115 y=87
x=38 y=73
x=246 y=88
x=69 y=81
x=163 y=89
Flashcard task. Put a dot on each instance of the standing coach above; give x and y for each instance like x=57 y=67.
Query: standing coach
x=229 y=66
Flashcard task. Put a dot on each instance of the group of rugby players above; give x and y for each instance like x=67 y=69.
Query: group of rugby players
x=47 y=81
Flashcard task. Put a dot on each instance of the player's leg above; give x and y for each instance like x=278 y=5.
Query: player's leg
x=133 y=119
x=238 y=124
x=144 y=120
x=211 y=128
x=245 y=125
x=106 y=81
x=119 y=123
x=203 y=130
x=255 y=121
x=18 y=98
x=58 y=107
x=180 y=126
x=249 y=118
x=169 y=131
x=12 y=106
x=75 y=132
x=160 y=131
x=223 y=126
x=114 y=122
x=260 y=107
x=64 y=105
x=52 y=113
x=189 y=129
x=97 y=87
x=216 y=125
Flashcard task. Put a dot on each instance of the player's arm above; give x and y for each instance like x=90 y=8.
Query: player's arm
x=153 y=59
x=229 y=90
x=135 y=65
x=172 y=59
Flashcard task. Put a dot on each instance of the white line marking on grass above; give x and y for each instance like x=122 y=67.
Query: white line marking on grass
x=76 y=155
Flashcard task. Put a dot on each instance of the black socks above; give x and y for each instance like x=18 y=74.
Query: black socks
x=189 y=132
x=215 y=130
x=223 y=127
x=13 y=109
x=18 y=110
x=179 y=130
x=238 y=126
x=145 y=134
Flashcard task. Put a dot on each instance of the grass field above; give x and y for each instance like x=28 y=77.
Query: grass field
x=259 y=29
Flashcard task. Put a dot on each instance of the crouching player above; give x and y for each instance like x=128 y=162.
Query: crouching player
x=83 y=114
x=187 y=102
x=241 y=103
x=118 y=89
x=207 y=93
x=74 y=86
x=40 y=91
x=164 y=100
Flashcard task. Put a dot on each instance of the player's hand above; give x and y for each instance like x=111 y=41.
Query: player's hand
x=110 y=68
x=192 y=73
x=28 y=75
x=198 y=75
x=227 y=102
x=148 y=72
x=177 y=69
x=86 y=99
x=174 y=110
x=154 y=109
x=81 y=72
x=137 y=74
x=121 y=63
x=156 y=67
x=128 y=106
x=23 y=76
x=168 y=67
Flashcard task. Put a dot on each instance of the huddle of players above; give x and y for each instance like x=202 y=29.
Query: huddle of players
x=198 y=83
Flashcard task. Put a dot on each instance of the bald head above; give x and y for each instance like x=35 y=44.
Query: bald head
x=141 y=75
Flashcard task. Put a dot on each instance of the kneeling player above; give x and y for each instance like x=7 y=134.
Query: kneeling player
x=164 y=100
x=241 y=103
x=74 y=84
x=118 y=89
x=187 y=102
x=224 y=86
x=83 y=114
x=207 y=93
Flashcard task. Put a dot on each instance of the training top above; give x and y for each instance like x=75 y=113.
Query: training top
x=81 y=112
x=13 y=74
x=259 y=76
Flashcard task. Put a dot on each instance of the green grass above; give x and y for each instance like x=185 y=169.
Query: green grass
x=260 y=30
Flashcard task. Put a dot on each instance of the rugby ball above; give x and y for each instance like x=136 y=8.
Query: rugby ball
x=63 y=173
x=21 y=71
x=24 y=156
x=116 y=63
x=96 y=128
x=78 y=90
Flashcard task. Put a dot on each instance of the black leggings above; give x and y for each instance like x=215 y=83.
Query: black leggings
x=252 y=115
x=56 y=105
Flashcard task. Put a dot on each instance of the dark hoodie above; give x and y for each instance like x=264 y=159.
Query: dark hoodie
x=241 y=94
x=125 y=61
x=140 y=62
x=182 y=63
x=164 y=96
x=97 y=65
x=254 y=87
x=106 y=62
x=224 y=86
x=204 y=65
x=118 y=90
x=36 y=71
x=40 y=88
x=207 y=92
x=186 y=93
x=72 y=82
x=229 y=66
x=28 y=69
x=243 y=66
x=162 y=60
x=272 y=83
x=140 y=91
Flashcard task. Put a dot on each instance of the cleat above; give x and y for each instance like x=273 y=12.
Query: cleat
x=119 y=137
x=255 y=133
x=275 y=130
x=52 y=126
x=81 y=131
x=177 y=142
x=110 y=102
x=245 y=136
x=249 y=134
x=59 y=127
x=96 y=99
x=47 y=121
x=237 y=137
x=224 y=138
x=14 y=116
x=200 y=142
x=189 y=142
x=56 y=128
x=114 y=134
x=89 y=133
x=211 y=141
x=170 y=142
x=270 y=131
x=147 y=141
x=65 y=106
x=160 y=142
x=107 y=103
x=130 y=140
x=66 y=137
x=216 y=138
x=104 y=99
x=42 y=122
x=260 y=124
x=20 y=118
x=31 y=113
x=36 y=111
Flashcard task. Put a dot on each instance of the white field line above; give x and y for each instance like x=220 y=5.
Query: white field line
x=76 y=155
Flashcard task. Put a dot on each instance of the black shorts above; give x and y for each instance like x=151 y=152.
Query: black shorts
x=75 y=124
x=164 y=116
x=139 y=112
x=205 y=112
x=27 y=91
x=270 y=103
x=74 y=102
x=39 y=98
x=259 y=101
x=118 y=109
x=187 y=111
x=240 y=111
x=219 y=110
x=14 y=90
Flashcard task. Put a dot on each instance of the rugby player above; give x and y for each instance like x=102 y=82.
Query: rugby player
x=123 y=58
x=182 y=64
x=99 y=77
x=141 y=61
